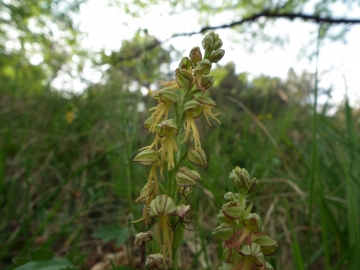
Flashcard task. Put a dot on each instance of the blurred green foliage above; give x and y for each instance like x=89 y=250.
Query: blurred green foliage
x=37 y=38
x=139 y=60
x=64 y=181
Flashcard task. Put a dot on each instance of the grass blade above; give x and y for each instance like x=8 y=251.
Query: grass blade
x=299 y=263
x=352 y=211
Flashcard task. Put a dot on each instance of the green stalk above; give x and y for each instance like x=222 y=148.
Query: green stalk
x=354 y=263
x=190 y=74
x=353 y=202
x=314 y=153
x=298 y=261
x=172 y=187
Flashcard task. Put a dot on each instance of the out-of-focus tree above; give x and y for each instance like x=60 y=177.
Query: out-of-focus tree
x=135 y=63
x=262 y=94
x=256 y=20
x=36 y=39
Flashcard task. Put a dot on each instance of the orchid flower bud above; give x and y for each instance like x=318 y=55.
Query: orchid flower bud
x=166 y=95
x=241 y=179
x=216 y=56
x=147 y=157
x=232 y=210
x=208 y=42
x=204 y=66
x=266 y=243
x=184 y=78
x=185 y=64
x=254 y=183
x=222 y=218
x=217 y=44
x=204 y=82
x=186 y=177
x=162 y=205
x=198 y=157
x=195 y=55
x=252 y=221
x=252 y=253
x=224 y=231
x=229 y=196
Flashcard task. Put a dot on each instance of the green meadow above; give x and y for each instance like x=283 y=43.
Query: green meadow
x=71 y=187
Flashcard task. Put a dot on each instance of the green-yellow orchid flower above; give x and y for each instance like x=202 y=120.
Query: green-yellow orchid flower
x=168 y=143
x=162 y=206
x=165 y=99
x=192 y=109
x=207 y=105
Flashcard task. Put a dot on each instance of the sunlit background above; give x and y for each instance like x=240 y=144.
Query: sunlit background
x=105 y=26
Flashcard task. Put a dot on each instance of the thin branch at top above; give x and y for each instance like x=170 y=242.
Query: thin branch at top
x=266 y=14
x=273 y=14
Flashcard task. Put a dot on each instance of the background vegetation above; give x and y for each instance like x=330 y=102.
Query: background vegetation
x=70 y=186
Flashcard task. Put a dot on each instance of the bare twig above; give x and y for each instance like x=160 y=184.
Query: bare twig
x=270 y=14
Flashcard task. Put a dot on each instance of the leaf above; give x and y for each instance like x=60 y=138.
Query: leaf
x=40 y=254
x=50 y=264
x=112 y=264
x=17 y=261
x=115 y=232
